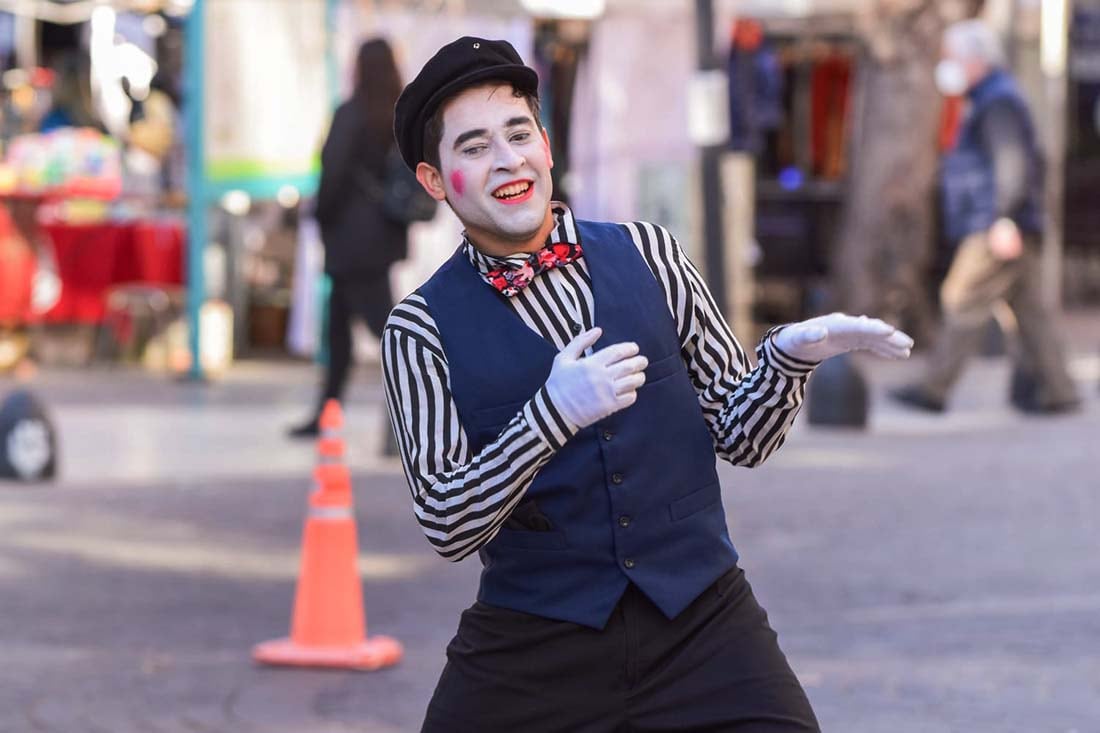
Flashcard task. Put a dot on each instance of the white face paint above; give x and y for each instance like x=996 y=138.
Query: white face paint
x=496 y=167
x=951 y=78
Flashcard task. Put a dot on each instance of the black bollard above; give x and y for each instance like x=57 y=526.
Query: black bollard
x=837 y=394
x=28 y=442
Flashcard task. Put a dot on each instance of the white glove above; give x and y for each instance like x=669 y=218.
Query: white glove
x=826 y=336
x=587 y=389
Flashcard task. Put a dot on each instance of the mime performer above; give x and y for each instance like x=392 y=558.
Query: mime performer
x=560 y=389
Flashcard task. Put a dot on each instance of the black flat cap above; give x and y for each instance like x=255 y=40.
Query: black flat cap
x=458 y=65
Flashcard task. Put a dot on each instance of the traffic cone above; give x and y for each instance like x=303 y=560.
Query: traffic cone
x=328 y=627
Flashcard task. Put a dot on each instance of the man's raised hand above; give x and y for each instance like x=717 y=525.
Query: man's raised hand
x=818 y=339
x=587 y=389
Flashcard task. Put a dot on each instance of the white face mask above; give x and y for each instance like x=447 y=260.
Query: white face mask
x=950 y=78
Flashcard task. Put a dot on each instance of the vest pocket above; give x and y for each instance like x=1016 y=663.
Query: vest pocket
x=529 y=539
x=695 y=502
x=665 y=367
x=496 y=417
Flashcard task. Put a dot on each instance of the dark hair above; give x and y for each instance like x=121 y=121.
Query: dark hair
x=433 y=128
x=377 y=86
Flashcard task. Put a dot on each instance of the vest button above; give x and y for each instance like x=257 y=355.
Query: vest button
x=628 y=563
x=616 y=478
x=624 y=521
x=608 y=435
x=575 y=327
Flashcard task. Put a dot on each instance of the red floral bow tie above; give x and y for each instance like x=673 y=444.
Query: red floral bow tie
x=510 y=278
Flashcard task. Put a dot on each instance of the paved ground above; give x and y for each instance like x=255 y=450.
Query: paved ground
x=928 y=574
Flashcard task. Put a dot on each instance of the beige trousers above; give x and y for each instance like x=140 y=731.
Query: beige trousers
x=975 y=283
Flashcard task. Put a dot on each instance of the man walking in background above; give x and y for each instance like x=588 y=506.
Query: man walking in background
x=992 y=189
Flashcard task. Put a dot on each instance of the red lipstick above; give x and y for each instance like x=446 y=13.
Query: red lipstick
x=521 y=197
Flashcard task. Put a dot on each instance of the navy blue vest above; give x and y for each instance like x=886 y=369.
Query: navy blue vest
x=966 y=175
x=633 y=498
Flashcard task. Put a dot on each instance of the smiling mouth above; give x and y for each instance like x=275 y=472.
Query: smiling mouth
x=513 y=191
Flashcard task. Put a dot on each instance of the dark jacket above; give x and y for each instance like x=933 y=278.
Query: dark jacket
x=632 y=499
x=755 y=97
x=357 y=237
x=996 y=168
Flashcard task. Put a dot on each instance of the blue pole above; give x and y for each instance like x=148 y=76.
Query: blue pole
x=332 y=76
x=332 y=69
x=193 y=84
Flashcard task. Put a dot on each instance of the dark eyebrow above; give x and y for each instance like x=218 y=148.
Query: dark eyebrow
x=516 y=121
x=468 y=135
x=481 y=132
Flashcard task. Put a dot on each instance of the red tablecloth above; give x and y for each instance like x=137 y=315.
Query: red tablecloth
x=16 y=271
x=93 y=257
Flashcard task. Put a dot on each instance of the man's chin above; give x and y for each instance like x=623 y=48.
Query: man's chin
x=522 y=228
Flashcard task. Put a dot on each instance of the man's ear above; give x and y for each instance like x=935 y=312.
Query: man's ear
x=549 y=155
x=431 y=179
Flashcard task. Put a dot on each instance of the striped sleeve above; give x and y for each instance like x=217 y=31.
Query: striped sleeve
x=748 y=411
x=460 y=499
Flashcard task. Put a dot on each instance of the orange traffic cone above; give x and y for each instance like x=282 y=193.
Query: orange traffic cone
x=328 y=627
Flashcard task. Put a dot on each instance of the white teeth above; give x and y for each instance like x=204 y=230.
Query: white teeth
x=513 y=190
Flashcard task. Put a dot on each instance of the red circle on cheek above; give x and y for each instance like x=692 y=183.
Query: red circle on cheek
x=458 y=182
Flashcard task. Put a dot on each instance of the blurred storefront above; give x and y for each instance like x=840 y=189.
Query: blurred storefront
x=103 y=169
x=90 y=173
x=94 y=180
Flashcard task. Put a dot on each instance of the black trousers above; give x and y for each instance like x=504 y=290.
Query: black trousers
x=715 y=667
x=365 y=296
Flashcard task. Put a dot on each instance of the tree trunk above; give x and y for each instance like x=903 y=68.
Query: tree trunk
x=886 y=240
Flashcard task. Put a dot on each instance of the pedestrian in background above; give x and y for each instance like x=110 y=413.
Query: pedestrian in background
x=360 y=242
x=992 y=194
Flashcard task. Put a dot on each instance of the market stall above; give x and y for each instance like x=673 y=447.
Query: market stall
x=93 y=258
x=91 y=182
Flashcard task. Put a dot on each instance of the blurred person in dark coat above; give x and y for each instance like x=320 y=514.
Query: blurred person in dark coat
x=992 y=194
x=360 y=242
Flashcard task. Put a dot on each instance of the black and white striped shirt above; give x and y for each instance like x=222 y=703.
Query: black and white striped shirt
x=462 y=498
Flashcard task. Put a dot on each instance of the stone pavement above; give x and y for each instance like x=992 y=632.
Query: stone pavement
x=928 y=574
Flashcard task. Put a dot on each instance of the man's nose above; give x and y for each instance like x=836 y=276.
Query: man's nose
x=507 y=158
